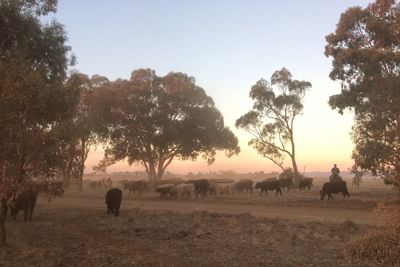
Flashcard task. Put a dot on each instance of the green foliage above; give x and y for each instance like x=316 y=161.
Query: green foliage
x=79 y=131
x=271 y=121
x=33 y=62
x=365 y=50
x=153 y=120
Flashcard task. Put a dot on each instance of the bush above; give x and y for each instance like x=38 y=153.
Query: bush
x=381 y=246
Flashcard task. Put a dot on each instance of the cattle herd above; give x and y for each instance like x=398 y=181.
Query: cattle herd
x=179 y=189
x=170 y=189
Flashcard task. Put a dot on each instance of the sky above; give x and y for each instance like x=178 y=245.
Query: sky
x=227 y=46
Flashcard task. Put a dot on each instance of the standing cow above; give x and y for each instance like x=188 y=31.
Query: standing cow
x=25 y=201
x=113 y=201
x=334 y=187
x=305 y=183
x=286 y=182
x=201 y=186
x=166 y=191
x=271 y=185
x=244 y=185
x=140 y=186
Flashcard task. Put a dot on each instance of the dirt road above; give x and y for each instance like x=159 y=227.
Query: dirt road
x=322 y=214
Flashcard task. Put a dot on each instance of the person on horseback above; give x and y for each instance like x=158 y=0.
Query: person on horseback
x=335 y=177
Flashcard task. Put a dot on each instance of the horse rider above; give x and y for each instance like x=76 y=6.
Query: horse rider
x=335 y=177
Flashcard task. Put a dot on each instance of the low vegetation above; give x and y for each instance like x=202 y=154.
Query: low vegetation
x=245 y=229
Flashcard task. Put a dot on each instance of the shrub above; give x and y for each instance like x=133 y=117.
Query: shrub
x=381 y=246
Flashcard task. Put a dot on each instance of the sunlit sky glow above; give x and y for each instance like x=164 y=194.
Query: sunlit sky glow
x=227 y=46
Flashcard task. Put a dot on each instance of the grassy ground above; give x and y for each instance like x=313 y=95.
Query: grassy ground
x=76 y=231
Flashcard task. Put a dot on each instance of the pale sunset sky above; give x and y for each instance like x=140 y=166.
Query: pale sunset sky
x=227 y=46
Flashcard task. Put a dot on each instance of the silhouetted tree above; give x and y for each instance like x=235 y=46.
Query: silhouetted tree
x=271 y=121
x=153 y=120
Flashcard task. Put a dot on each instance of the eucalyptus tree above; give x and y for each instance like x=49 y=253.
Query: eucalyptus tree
x=80 y=130
x=153 y=120
x=33 y=63
x=365 y=49
x=277 y=103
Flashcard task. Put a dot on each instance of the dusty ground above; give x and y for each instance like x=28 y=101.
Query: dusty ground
x=296 y=229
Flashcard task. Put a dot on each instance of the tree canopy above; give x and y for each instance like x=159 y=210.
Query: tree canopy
x=79 y=131
x=271 y=121
x=154 y=120
x=33 y=64
x=366 y=59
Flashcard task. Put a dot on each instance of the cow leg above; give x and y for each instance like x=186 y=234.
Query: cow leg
x=330 y=196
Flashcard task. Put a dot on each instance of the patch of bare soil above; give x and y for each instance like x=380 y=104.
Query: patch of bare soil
x=88 y=237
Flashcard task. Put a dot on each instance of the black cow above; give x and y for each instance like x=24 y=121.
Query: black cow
x=137 y=186
x=286 y=182
x=269 y=185
x=245 y=185
x=334 y=187
x=25 y=201
x=113 y=201
x=201 y=186
x=305 y=183
x=166 y=191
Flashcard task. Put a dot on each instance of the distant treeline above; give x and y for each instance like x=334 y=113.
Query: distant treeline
x=200 y=175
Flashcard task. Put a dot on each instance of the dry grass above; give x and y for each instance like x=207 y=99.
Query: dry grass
x=380 y=245
x=75 y=231
x=82 y=237
x=376 y=246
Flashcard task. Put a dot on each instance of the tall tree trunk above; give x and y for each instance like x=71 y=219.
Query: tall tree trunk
x=83 y=157
x=67 y=179
x=160 y=170
x=159 y=175
x=3 y=215
x=153 y=172
x=294 y=164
